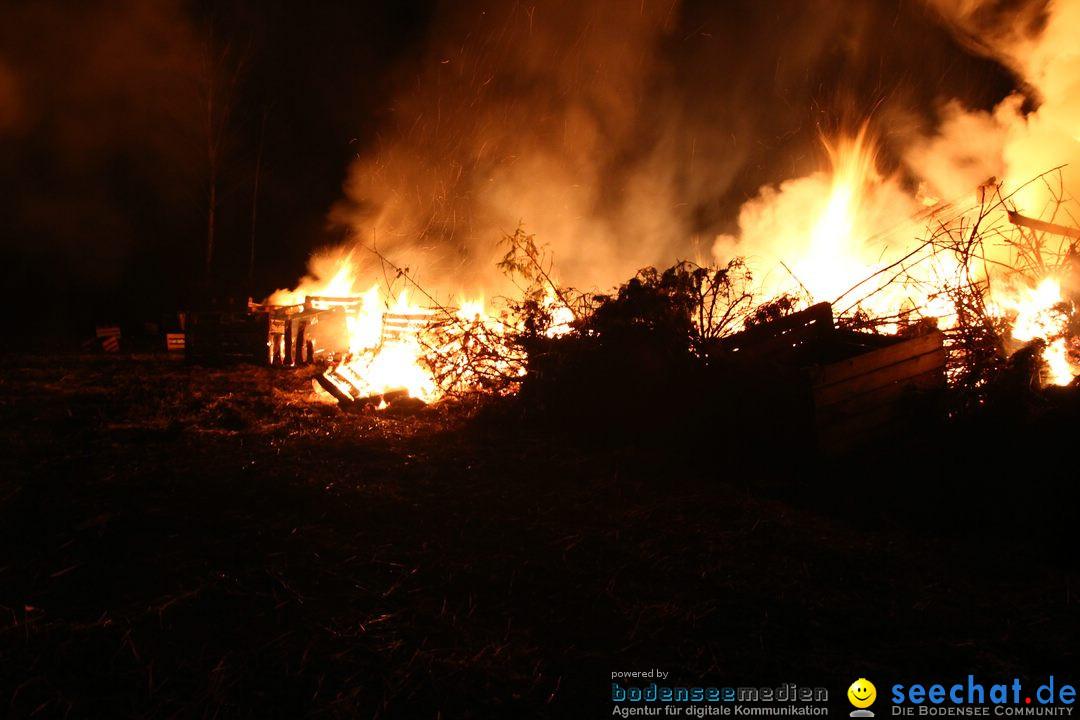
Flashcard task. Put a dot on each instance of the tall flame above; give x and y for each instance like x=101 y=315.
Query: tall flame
x=832 y=263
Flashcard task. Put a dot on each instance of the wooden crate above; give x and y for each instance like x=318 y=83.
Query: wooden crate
x=220 y=336
x=109 y=337
x=865 y=396
x=175 y=342
x=784 y=336
x=850 y=387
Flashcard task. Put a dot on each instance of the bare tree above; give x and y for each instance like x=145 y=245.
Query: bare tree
x=255 y=198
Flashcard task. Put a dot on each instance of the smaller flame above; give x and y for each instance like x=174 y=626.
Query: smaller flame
x=1041 y=313
x=562 y=317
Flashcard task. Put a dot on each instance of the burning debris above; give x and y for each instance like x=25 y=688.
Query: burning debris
x=372 y=352
x=936 y=288
x=993 y=285
x=983 y=288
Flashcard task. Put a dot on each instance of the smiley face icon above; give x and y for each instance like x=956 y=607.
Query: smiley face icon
x=862 y=694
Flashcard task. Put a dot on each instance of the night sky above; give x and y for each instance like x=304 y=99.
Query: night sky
x=103 y=121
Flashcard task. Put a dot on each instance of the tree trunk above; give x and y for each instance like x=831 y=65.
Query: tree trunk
x=210 y=213
x=255 y=205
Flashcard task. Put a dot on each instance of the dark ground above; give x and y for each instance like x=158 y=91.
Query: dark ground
x=183 y=541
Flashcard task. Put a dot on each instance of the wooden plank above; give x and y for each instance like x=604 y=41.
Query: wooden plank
x=300 y=343
x=336 y=300
x=814 y=321
x=843 y=434
x=896 y=373
x=344 y=374
x=331 y=387
x=1042 y=226
x=853 y=405
x=288 y=360
x=108 y=338
x=419 y=315
x=868 y=362
x=793 y=338
x=276 y=340
x=873 y=421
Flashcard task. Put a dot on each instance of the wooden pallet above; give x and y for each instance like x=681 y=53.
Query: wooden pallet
x=175 y=342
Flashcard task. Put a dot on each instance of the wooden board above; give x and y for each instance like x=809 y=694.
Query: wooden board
x=862 y=397
x=798 y=328
x=880 y=377
x=855 y=405
x=876 y=359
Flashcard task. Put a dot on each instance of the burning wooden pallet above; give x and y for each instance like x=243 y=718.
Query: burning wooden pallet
x=399 y=327
x=280 y=335
x=302 y=333
x=352 y=391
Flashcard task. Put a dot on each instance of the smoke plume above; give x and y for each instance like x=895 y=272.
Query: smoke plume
x=1026 y=134
x=628 y=134
x=534 y=114
x=947 y=155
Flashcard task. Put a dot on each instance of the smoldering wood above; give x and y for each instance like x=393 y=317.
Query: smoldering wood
x=329 y=386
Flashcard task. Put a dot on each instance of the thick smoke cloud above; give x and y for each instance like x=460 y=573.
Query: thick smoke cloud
x=1029 y=132
x=542 y=114
x=626 y=134
x=621 y=133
